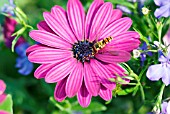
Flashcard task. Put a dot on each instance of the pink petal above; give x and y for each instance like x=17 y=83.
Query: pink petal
x=103 y=73
x=75 y=80
x=113 y=56
x=43 y=26
x=100 y=21
x=60 y=71
x=2 y=87
x=117 y=27
x=116 y=69
x=105 y=93
x=126 y=37
x=83 y=96
x=76 y=17
x=49 y=55
x=127 y=45
x=90 y=15
x=4 y=112
x=49 y=39
x=2 y=98
x=91 y=80
x=116 y=14
x=58 y=27
x=60 y=93
x=61 y=26
x=42 y=70
x=34 y=47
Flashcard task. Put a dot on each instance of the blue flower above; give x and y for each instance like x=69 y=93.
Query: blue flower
x=8 y=8
x=22 y=62
x=124 y=9
x=164 y=10
x=127 y=10
x=165 y=108
x=155 y=72
x=144 y=49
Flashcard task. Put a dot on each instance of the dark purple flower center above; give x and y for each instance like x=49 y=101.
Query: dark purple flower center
x=83 y=51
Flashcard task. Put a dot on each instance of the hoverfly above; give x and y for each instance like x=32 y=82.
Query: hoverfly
x=101 y=44
x=109 y=54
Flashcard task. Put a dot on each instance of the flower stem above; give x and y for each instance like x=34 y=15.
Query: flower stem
x=56 y=104
x=159 y=28
x=142 y=92
x=140 y=85
x=159 y=99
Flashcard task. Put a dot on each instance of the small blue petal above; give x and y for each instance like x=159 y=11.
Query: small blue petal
x=26 y=69
x=19 y=62
x=144 y=46
x=160 y=53
x=22 y=62
x=21 y=49
x=143 y=56
x=149 y=53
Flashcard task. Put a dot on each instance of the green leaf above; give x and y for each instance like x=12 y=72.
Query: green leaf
x=96 y=107
x=93 y=107
x=21 y=16
x=128 y=77
x=108 y=102
x=18 y=34
x=135 y=90
x=7 y=104
x=56 y=103
x=14 y=42
x=21 y=13
x=126 y=91
x=141 y=36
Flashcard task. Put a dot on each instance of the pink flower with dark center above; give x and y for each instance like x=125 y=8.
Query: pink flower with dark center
x=67 y=53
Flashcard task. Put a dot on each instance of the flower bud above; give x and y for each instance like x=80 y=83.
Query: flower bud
x=136 y=53
x=145 y=11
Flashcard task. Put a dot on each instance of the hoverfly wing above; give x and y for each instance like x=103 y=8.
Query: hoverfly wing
x=113 y=56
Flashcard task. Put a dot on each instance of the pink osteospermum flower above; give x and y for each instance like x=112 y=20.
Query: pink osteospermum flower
x=66 y=49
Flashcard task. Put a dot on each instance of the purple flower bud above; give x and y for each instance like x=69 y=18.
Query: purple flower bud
x=8 y=30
